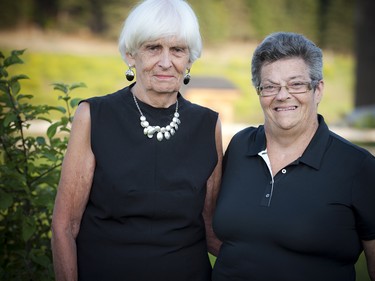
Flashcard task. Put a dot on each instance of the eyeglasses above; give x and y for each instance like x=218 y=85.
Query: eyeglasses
x=268 y=90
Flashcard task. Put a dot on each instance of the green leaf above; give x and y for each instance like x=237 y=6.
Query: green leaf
x=4 y=87
x=61 y=87
x=40 y=140
x=58 y=108
x=18 y=52
x=66 y=98
x=24 y=97
x=43 y=199
x=13 y=59
x=44 y=119
x=15 y=86
x=40 y=258
x=28 y=228
x=51 y=131
x=50 y=156
x=6 y=200
x=64 y=120
x=77 y=85
x=74 y=102
x=65 y=129
x=19 y=77
x=11 y=117
x=3 y=72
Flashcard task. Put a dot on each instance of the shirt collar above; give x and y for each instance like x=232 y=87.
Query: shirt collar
x=314 y=152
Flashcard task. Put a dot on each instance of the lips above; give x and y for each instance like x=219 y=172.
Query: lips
x=288 y=108
x=163 y=75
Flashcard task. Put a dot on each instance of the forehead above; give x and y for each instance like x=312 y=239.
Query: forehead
x=166 y=41
x=285 y=69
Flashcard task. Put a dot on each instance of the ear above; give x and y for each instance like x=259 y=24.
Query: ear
x=319 y=91
x=130 y=59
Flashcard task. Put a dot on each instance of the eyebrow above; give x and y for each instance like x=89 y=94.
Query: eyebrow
x=151 y=44
x=290 y=78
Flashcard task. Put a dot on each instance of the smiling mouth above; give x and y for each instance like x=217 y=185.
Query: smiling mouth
x=278 y=109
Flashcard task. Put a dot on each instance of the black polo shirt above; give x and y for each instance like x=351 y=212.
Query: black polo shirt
x=306 y=223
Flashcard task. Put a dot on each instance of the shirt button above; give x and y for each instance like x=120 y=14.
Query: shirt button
x=283 y=171
x=267 y=195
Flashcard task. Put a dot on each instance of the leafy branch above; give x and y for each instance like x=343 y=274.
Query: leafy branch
x=29 y=170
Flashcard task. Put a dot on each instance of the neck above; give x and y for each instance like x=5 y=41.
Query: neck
x=284 y=147
x=294 y=138
x=154 y=99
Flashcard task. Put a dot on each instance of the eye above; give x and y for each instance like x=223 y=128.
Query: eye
x=178 y=49
x=153 y=48
x=296 y=84
x=269 y=87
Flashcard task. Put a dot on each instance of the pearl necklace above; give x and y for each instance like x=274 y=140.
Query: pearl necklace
x=161 y=132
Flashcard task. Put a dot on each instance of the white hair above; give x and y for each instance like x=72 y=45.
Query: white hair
x=155 y=19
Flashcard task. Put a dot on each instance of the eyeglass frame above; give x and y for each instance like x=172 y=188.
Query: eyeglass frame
x=311 y=85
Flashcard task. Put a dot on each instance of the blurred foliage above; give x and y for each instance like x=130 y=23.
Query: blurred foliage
x=29 y=171
x=330 y=23
x=104 y=73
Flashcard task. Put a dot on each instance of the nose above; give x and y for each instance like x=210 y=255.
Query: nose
x=283 y=93
x=165 y=59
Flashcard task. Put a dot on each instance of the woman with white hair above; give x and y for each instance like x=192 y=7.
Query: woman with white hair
x=143 y=164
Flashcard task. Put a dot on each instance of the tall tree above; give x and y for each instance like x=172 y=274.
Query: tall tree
x=337 y=23
x=365 y=46
x=97 y=20
x=44 y=12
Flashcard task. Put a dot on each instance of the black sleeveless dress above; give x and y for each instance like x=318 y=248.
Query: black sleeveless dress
x=143 y=220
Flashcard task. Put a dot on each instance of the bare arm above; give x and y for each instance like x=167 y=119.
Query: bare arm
x=213 y=186
x=72 y=195
x=369 y=249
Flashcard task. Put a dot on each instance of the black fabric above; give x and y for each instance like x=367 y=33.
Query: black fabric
x=311 y=227
x=144 y=219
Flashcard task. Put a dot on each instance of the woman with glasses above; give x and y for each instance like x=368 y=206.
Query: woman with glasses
x=297 y=202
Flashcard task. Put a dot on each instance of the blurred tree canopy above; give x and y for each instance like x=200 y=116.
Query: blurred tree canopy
x=330 y=23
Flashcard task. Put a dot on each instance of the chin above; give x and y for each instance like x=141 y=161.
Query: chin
x=287 y=125
x=165 y=87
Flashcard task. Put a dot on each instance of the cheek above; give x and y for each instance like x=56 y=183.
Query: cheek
x=182 y=64
x=264 y=103
x=146 y=64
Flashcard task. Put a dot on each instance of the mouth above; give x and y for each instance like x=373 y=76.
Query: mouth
x=164 y=76
x=288 y=108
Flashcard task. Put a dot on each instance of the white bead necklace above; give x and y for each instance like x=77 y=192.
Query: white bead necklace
x=161 y=132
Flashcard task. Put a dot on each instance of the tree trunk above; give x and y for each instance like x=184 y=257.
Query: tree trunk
x=365 y=54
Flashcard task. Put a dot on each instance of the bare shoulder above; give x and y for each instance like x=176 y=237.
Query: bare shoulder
x=82 y=113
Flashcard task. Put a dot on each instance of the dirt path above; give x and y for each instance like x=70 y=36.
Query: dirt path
x=51 y=41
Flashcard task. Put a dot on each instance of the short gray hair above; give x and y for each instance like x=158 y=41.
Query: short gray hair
x=154 y=19
x=282 y=45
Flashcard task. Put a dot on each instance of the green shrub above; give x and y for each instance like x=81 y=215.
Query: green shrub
x=29 y=171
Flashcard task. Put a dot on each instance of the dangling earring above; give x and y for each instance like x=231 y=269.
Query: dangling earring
x=187 y=77
x=129 y=74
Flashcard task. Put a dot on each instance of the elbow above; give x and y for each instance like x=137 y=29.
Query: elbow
x=64 y=229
